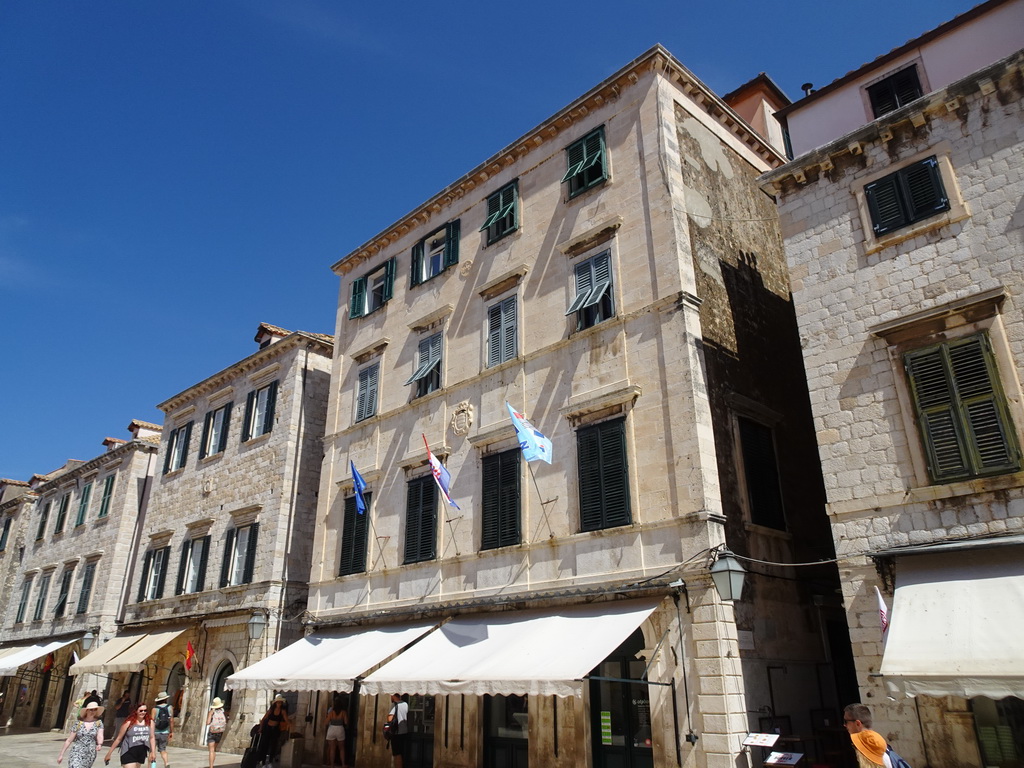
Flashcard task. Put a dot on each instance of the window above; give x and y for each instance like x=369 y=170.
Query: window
x=177 y=448
x=373 y=290
x=192 y=567
x=421 y=519
x=586 y=164
x=501 y=332
x=603 y=475
x=366 y=399
x=961 y=410
x=108 y=492
x=86 y=593
x=500 y=499
x=908 y=195
x=895 y=91
x=215 y=431
x=239 y=555
x=428 y=366
x=62 y=513
x=44 y=592
x=259 y=411
x=83 y=504
x=26 y=588
x=353 y=538
x=5 y=533
x=435 y=253
x=154 y=574
x=43 y=518
x=65 y=590
x=761 y=472
x=502 y=212
x=593 y=301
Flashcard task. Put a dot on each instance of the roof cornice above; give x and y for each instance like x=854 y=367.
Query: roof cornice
x=656 y=60
x=96 y=463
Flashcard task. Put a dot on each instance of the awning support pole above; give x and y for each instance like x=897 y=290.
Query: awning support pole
x=636 y=681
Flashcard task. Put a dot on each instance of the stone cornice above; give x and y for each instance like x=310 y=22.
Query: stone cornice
x=249 y=364
x=94 y=465
x=657 y=60
x=946 y=102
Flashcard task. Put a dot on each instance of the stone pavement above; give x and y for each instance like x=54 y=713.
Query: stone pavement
x=28 y=748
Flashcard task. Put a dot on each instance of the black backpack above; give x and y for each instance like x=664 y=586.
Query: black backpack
x=163 y=718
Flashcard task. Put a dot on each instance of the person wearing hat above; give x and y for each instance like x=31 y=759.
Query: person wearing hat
x=273 y=726
x=216 y=724
x=163 y=724
x=85 y=738
x=870 y=746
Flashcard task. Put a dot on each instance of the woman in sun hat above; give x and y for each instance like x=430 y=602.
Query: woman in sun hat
x=273 y=727
x=85 y=738
x=216 y=724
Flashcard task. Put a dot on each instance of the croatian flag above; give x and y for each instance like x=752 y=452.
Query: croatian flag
x=533 y=443
x=883 y=612
x=441 y=475
x=360 y=486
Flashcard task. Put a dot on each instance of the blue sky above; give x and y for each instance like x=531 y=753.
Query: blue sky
x=174 y=173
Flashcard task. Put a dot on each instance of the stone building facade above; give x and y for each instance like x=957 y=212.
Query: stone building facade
x=617 y=276
x=904 y=239
x=219 y=575
x=69 y=553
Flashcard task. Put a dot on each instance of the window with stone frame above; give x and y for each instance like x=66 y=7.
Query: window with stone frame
x=354 y=533
x=177 y=448
x=961 y=411
x=366 y=395
x=501 y=332
x=427 y=376
x=83 y=504
x=239 y=563
x=435 y=253
x=42 y=595
x=500 y=513
x=586 y=163
x=43 y=518
x=894 y=91
x=260 y=405
x=502 y=212
x=216 y=424
x=373 y=290
x=195 y=553
x=64 y=592
x=62 y=513
x=912 y=193
x=603 y=475
x=154 y=573
x=420 y=519
x=85 y=593
x=592 y=302
x=108 y=493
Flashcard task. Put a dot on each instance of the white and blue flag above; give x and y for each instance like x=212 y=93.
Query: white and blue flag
x=533 y=443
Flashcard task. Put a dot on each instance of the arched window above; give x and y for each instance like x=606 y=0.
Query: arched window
x=224 y=671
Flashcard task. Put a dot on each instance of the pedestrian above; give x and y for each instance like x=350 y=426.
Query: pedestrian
x=273 y=726
x=870 y=746
x=124 y=708
x=337 y=719
x=163 y=724
x=85 y=738
x=216 y=724
x=136 y=739
x=398 y=721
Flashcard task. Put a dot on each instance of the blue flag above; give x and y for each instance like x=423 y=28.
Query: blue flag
x=533 y=443
x=360 y=486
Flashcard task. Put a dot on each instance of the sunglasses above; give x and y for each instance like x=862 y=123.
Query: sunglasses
x=848 y=721
x=141 y=709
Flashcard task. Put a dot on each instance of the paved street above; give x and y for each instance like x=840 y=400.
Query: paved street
x=33 y=749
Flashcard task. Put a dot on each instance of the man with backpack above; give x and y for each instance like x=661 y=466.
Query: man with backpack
x=871 y=749
x=163 y=724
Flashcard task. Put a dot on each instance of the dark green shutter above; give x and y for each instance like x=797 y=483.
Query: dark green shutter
x=390 y=268
x=225 y=566
x=170 y=450
x=268 y=422
x=354 y=537
x=421 y=519
x=188 y=443
x=147 y=561
x=451 y=244
x=884 y=204
x=225 y=425
x=204 y=557
x=416 y=273
x=163 y=571
x=494 y=335
x=250 y=555
x=357 y=304
x=501 y=332
x=924 y=191
x=574 y=157
x=207 y=426
x=603 y=476
x=584 y=273
x=250 y=406
x=186 y=547
x=500 y=518
x=366 y=397
x=108 y=492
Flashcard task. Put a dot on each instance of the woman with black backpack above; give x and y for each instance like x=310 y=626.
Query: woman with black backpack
x=163 y=724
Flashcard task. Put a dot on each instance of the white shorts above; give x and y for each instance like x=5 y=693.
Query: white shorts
x=335 y=732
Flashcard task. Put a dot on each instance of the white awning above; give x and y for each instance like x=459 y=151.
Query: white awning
x=124 y=653
x=329 y=660
x=542 y=652
x=956 y=624
x=9 y=663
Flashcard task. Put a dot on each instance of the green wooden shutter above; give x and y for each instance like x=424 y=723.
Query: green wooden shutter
x=225 y=425
x=924 y=192
x=603 y=476
x=588 y=448
x=451 y=244
x=493 y=210
x=494 y=329
x=942 y=434
x=501 y=500
x=225 y=566
x=602 y=277
x=353 y=540
x=357 y=304
x=906 y=86
x=108 y=492
x=43 y=518
x=268 y=422
x=413 y=519
x=164 y=557
x=416 y=273
x=884 y=205
x=179 y=586
x=146 y=563
x=188 y=443
x=575 y=155
x=250 y=406
x=203 y=558
x=169 y=451
x=207 y=426
x=390 y=268
x=250 y=555
x=584 y=273
x=490 y=515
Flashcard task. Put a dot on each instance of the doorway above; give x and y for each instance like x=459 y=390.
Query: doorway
x=506 y=736
x=421 y=732
x=620 y=710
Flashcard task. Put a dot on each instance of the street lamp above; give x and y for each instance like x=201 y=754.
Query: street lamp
x=256 y=624
x=728 y=575
x=87 y=640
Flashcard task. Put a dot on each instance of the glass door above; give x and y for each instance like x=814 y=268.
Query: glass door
x=506 y=736
x=421 y=732
x=620 y=710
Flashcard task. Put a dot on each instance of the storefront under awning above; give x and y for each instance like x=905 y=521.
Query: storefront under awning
x=957 y=621
x=328 y=660
x=124 y=653
x=546 y=651
x=10 y=662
